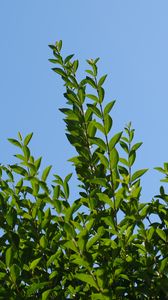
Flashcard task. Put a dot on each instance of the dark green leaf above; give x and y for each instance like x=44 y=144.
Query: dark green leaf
x=59 y=71
x=68 y=58
x=15 y=272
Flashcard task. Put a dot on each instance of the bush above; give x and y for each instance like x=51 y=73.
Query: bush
x=103 y=245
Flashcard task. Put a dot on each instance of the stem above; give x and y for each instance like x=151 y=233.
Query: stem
x=108 y=153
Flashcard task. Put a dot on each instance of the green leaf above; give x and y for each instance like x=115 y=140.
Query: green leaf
x=93 y=97
x=66 y=189
x=95 y=110
x=34 y=263
x=19 y=170
x=87 y=278
x=103 y=197
x=99 y=126
x=124 y=161
x=15 y=272
x=9 y=256
x=114 y=140
x=68 y=58
x=163 y=264
x=138 y=174
x=90 y=72
x=92 y=241
x=15 y=142
x=68 y=177
x=109 y=107
x=2 y=276
x=114 y=158
x=160 y=170
x=103 y=160
x=33 y=288
x=46 y=294
x=43 y=242
x=99 y=142
x=59 y=45
x=26 y=152
x=27 y=139
x=56 y=192
x=91 y=82
x=59 y=71
x=101 y=94
x=136 y=146
x=102 y=80
x=124 y=146
x=161 y=234
x=108 y=123
x=37 y=163
x=46 y=173
x=132 y=157
x=99 y=181
x=69 y=229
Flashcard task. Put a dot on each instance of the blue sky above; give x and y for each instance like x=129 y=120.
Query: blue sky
x=129 y=36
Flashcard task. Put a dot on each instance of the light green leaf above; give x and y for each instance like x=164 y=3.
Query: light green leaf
x=15 y=142
x=99 y=181
x=99 y=126
x=109 y=107
x=93 y=97
x=102 y=80
x=9 y=256
x=99 y=142
x=34 y=263
x=43 y=242
x=138 y=174
x=103 y=160
x=108 y=123
x=161 y=234
x=136 y=146
x=101 y=94
x=114 y=140
x=46 y=294
x=114 y=158
x=27 y=139
x=45 y=173
x=163 y=264
x=103 y=197
x=87 y=278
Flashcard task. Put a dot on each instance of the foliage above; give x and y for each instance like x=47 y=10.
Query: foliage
x=103 y=245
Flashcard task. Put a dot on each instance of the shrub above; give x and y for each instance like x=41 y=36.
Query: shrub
x=103 y=245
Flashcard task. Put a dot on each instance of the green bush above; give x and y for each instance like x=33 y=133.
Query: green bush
x=103 y=245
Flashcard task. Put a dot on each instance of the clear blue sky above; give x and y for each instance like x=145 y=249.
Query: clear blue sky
x=130 y=37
